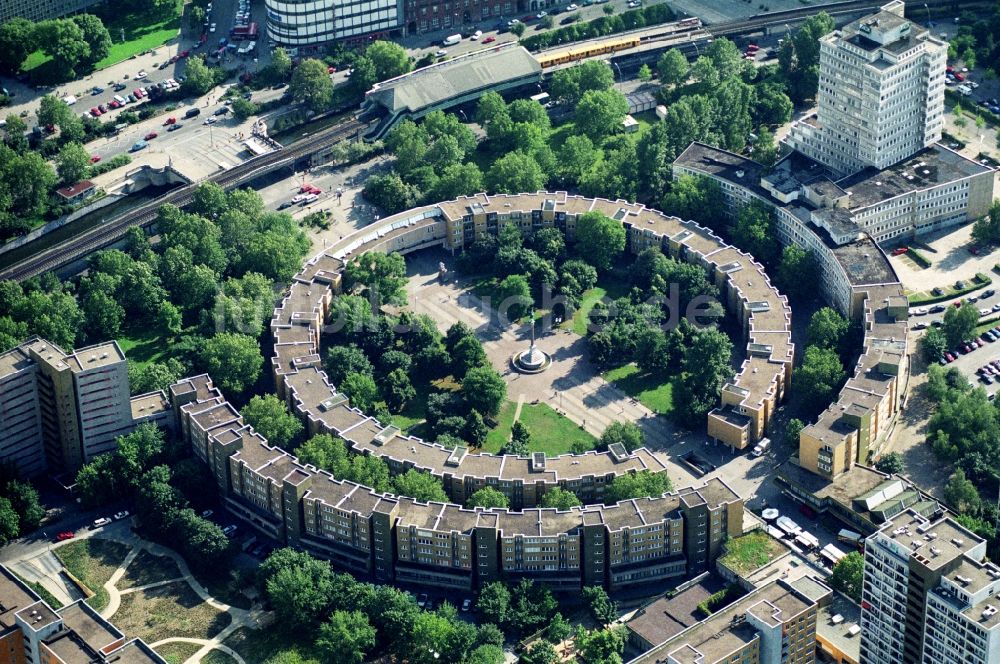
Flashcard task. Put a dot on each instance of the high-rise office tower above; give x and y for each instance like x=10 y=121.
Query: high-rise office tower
x=881 y=94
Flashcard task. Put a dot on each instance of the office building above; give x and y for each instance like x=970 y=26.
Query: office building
x=881 y=94
x=40 y=10
x=297 y=23
x=929 y=595
x=59 y=410
x=32 y=632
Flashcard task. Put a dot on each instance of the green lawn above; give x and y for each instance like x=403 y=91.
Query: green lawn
x=551 y=432
x=178 y=651
x=751 y=551
x=139 y=36
x=144 y=345
x=608 y=286
x=651 y=392
x=92 y=561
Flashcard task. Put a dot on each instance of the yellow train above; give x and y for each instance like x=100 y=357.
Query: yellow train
x=588 y=50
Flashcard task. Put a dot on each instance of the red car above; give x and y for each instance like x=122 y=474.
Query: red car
x=63 y=536
x=310 y=189
x=151 y=135
x=950 y=69
x=96 y=112
x=331 y=70
x=96 y=158
x=139 y=94
x=170 y=121
x=113 y=104
x=949 y=357
x=959 y=77
x=752 y=48
x=489 y=40
x=183 y=54
x=899 y=251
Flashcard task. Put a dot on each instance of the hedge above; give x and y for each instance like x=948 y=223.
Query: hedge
x=918 y=258
x=719 y=600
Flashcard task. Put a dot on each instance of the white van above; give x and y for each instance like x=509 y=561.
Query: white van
x=121 y=100
x=452 y=40
x=762 y=447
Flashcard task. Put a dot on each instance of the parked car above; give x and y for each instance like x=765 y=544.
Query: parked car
x=174 y=127
x=138 y=145
x=100 y=523
x=141 y=75
x=96 y=158
x=96 y=112
x=206 y=514
x=938 y=308
x=285 y=205
x=985 y=311
x=422 y=600
x=489 y=40
x=919 y=326
x=949 y=357
x=210 y=121
x=169 y=121
x=65 y=535
x=221 y=111
x=440 y=53
x=119 y=87
x=229 y=530
x=150 y=136
x=191 y=112
x=466 y=604
x=121 y=515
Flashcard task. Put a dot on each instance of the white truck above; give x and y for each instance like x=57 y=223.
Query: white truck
x=452 y=40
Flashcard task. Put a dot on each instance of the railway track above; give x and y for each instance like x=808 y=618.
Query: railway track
x=106 y=234
x=75 y=248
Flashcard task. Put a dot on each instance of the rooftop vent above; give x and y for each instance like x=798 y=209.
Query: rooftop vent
x=958 y=541
x=990 y=611
x=837 y=619
x=739 y=173
x=964 y=580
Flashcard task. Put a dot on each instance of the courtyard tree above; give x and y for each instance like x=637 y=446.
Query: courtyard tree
x=514 y=300
x=198 y=77
x=311 y=85
x=848 y=574
x=601 y=646
x=819 y=376
x=827 y=329
x=95 y=35
x=361 y=390
x=493 y=603
x=383 y=276
x=672 y=68
x=571 y=84
x=796 y=271
x=420 y=486
x=390 y=192
x=484 y=390
x=24 y=499
x=299 y=589
x=520 y=439
x=890 y=463
x=961 y=493
x=793 y=429
x=270 y=417
x=487 y=497
x=642 y=484
x=540 y=652
x=603 y=609
x=933 y=344
x=468 y=354
x=9 y=528
x=599 y=239
x=628 y=434
x=232 y=360
x=398 y=390
x=560 y=499
x=64 y=42
x=754 y=232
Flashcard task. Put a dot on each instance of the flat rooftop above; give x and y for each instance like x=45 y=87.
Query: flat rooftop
x=931 y=167
x=865 y=263
x=838 y=623
x=933 y=544
x=666 y=617
x=723 y=164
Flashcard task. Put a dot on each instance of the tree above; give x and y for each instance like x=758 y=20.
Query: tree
x=95 y=35
x=819 y=375
x=243 y=108
x=601 y=607
x=540 y=652
x=311 y=85
x=361 y=390
x=514 y=300
x=773 y=106
x=600 y=113
x=640 y=484
x=202 y=541
x=576 y=156
x=487 y=497
x=14 y=133
x=793 y=429
x=754 y=232
x=560 y=499
x=764 y=149
x=467 y=354
x=299 y=591
x=959 y=324
x=484 y=390
x=599 y=239
x=63 y=41
x=694 y=198
x=532 y=605
x=382 y=275
x=515 y=172
x=891 y=463
x=390 y=193
x=672 y=68
x=796 y=271
x=390 y=59
x=848 y=575
x=520 y=439
x=601 y=646
x=518 y=29
x=458 y=180
x=933 y=344
x=493 y=603
x=645 y=74
x=569 y=85
x=270 y=417
x=17 y=41
x=627 y=434
x=346 y=637
x=827 y=329
x=961 y=493
x=419 y=486
x=143 y=378
x=232 y=360
x=398 y=390
x=198 y=78
x=23 y=498
x=280 y=67
x=9 y=529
